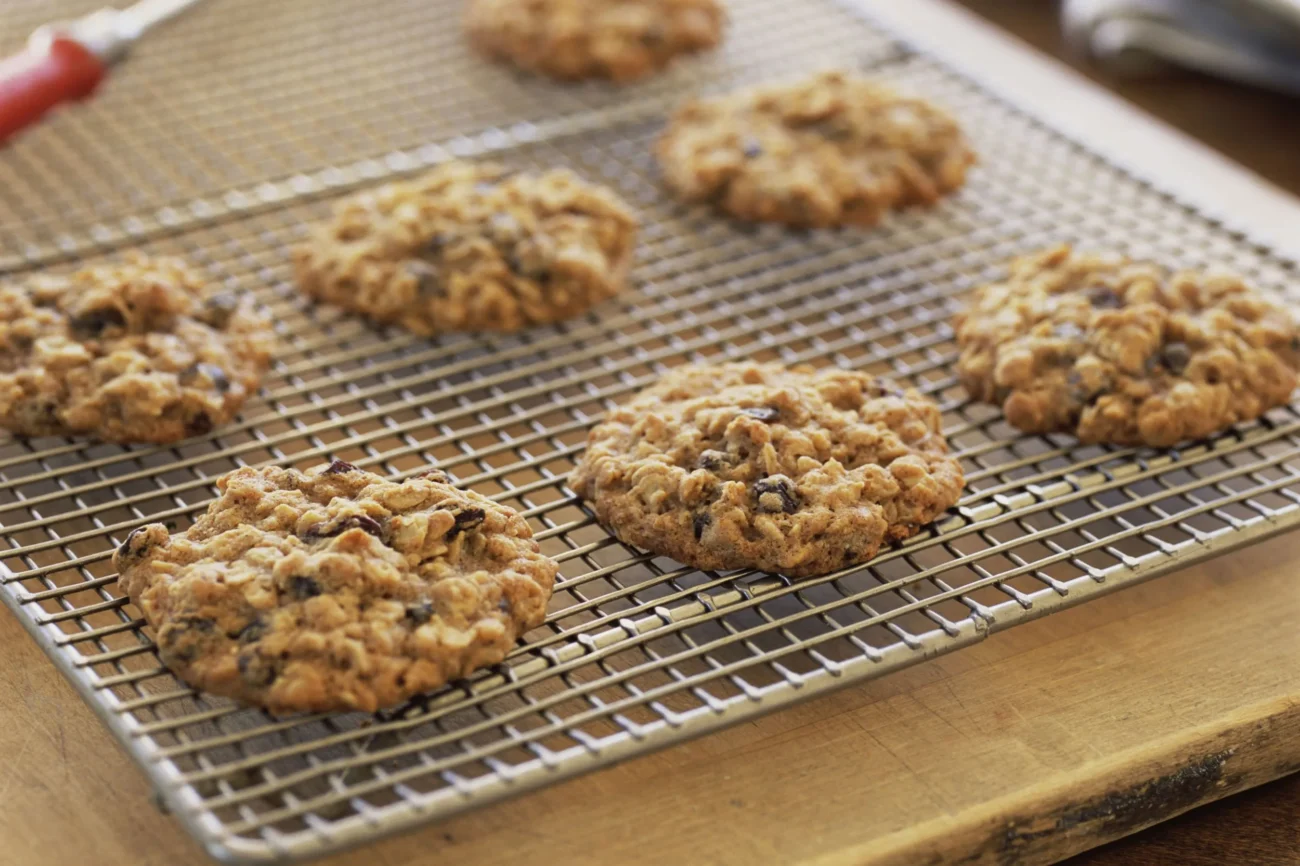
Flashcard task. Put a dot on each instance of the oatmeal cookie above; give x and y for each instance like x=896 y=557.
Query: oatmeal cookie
x=621 y=40
x=130 y=352
x=832 y=150
x=468 y=247
x=336 y=589
x=797 y=471
x=1125 y=352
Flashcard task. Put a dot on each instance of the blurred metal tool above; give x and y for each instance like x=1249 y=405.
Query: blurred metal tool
x=1254 y=41
x=66 y=62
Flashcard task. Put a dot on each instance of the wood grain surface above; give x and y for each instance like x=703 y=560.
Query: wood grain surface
x=1258 y=129
x=1255 y=828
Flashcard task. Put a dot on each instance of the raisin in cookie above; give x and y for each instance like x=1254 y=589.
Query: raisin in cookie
x=795 y=470
x=621 y=40
x=130 y=352
x=833 y=150
x=1125 y=352
x=467 y=247
x=336 y=589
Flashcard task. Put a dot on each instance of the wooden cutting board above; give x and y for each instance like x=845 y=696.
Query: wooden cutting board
x=1040 y=742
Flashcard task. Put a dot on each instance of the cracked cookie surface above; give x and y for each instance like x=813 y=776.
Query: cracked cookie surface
x=620 y=40
x=131 y=352
x=1125 y=352
x=788 y=470
x=469 y=247
x=832 y=150
x=336 y=589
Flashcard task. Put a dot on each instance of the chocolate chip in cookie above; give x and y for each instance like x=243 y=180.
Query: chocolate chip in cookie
x=92 y=324
x=776 y=495
x=466 y=519
x=340 y=466
x=301 y=587
x=713 y=461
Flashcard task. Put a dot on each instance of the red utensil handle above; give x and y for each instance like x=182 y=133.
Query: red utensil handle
x=33 y=82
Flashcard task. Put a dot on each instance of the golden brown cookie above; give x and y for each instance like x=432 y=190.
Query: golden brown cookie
x=336 y=589
x=469 y=247
x=1125 y=352
x=797 y=471
x=621 y=40
x=832 y=150
x=132 y=352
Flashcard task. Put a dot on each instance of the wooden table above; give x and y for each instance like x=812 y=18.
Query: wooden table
x=1258 y=129
x=1039 y=742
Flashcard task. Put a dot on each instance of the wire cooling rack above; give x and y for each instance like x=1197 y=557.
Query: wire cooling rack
x=224 y=137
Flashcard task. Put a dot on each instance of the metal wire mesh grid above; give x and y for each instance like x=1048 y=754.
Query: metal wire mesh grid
x=220 y=114
x=637 y=651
